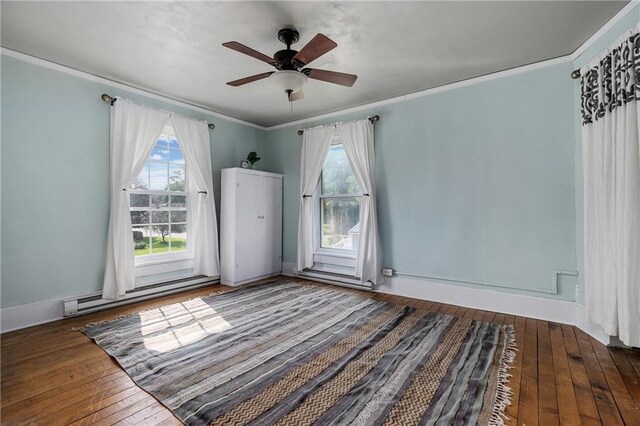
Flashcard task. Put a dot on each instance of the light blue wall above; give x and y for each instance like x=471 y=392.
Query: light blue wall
x=55 y=178
x=585 y=58
x=475 y=184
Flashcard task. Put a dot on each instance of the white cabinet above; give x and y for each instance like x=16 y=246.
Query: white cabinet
x=250 y=225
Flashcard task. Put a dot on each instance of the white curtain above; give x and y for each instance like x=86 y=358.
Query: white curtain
x=357 y=139
x=193 y=137
x=611 y=159
x=315 y=146
x=134 y=131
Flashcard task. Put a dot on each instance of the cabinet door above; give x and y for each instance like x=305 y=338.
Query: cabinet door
x=271 y=213
x=248 y=227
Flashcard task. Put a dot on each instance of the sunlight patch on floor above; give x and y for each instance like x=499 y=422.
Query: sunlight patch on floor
x=170 y=327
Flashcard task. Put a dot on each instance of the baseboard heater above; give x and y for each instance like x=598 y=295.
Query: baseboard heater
x=94 y=302
x=335 y=279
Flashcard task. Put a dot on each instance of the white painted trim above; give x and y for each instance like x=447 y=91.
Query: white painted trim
x=590 y=328
x=123 y=86
x=432 y=91
x=480 y=79
x=22 y=316
x=561 y=311
x=468 y=82
x=289 y=269
x=30 y=314
x=606 y=27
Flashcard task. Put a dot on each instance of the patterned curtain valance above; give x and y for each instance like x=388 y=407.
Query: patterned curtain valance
x=612 y=80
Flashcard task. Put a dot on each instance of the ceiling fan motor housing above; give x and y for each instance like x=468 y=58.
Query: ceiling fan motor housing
x=288 y=36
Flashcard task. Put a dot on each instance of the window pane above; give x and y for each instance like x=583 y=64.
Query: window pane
x=141 y=241
x=163 y=140
x=159 y=176
x=178 y=216
x=160 y=240
x=340 y=217
x=142 y=181
x=173 y=142
x=176 y=177
x=178 y=237
x=160 y=217
x=158 y=201
x=139 y=200
x=157 y=227
x=139 y=217
x=337 y=177
x=178 y=201
x=175 y=156
x=159 y=152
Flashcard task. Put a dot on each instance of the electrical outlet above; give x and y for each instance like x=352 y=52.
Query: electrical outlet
x=387 y=272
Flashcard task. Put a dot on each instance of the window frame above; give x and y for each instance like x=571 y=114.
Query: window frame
x=330 y=254
x=147 y=264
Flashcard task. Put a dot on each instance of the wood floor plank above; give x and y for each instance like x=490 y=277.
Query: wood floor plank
x=628 y=373
x=478 y=315
x=627 y=407
x=585 y=400
x=547 y=400
x=61 y=397
x=528 y=405
x=488 y=316
x=124 y=413
x=93 y=411
x=633 y=355
x=498 y=318
x=605 y=402
x=144 y=416
x=567 y=404
x=161 y=416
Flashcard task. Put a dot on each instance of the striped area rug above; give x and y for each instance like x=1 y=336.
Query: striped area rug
x=291 y=353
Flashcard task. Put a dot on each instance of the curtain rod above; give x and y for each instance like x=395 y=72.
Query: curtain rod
x=112 y=100
x=372 y=119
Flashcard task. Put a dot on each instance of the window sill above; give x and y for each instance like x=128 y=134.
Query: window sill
x=151 y=262
x=158 y=269
x=335 y=253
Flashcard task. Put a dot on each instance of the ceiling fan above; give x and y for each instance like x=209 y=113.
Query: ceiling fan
x=291 y=74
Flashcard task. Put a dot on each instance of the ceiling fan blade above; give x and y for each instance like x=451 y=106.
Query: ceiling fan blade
x=331 y=76
x=296 y=96
x=318 y=46
x=240 y=82
x=239 y=47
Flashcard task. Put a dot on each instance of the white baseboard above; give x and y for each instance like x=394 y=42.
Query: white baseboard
x=547 y=309
x=561 y=311
x=565 y=312
x=22 y=316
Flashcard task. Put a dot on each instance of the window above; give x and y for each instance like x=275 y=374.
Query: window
x=339 y=198
x=158 y=201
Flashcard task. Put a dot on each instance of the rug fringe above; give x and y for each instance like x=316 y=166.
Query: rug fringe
x=504 y=392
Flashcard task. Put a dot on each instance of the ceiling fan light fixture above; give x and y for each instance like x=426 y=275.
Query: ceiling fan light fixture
x=289 y=80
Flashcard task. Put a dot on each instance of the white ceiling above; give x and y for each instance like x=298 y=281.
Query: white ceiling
x=396 y=48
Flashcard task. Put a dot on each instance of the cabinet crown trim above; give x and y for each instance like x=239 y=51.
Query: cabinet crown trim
x=253 y=172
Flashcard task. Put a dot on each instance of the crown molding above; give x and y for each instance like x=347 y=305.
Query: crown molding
x=431 y=91
x=439 y=89
x=123 y=86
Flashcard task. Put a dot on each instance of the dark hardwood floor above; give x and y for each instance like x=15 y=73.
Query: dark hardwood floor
x=52 y=375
